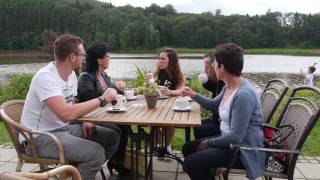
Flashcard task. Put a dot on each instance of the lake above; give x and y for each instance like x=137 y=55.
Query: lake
x=259 y=68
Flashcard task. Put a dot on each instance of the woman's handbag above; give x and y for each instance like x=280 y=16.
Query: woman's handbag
x=274 y=137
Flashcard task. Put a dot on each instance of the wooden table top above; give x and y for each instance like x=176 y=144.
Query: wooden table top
x=137 y=113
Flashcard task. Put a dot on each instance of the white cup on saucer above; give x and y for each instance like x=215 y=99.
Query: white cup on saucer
x=129 y=94
x=120 y=102
x=182 y=103
x=203 y=78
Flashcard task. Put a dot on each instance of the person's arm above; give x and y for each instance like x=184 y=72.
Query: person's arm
x=208 y=103
x=118 y=85
x=241 y=111
x=205 y=102
x=68 y=112
x=177 y=92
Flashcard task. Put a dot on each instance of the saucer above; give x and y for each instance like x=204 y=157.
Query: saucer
x=163 y=97
x=180 y=109
x=187 y=98
x=132 y=98
x=110 y=109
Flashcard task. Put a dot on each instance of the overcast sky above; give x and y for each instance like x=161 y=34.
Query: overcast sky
x=251 y=7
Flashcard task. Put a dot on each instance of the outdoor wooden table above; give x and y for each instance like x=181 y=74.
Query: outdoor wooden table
x=137 y=113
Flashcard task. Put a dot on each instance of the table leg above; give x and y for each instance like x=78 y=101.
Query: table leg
x=187 y=133
x=132 y=140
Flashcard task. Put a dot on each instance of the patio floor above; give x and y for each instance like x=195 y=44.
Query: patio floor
x=307 y=167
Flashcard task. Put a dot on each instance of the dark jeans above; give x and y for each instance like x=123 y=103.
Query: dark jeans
x=208 y=128
x=199 y=164
x=124 y=132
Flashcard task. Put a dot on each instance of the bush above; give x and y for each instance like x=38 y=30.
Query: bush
x=18 y=87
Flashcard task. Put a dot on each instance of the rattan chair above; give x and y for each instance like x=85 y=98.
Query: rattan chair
x=11 y=114
x=301 y=113
x=271 y=98
x=67 y=170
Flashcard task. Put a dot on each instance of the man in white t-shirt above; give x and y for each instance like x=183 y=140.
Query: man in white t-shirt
x=49 y=107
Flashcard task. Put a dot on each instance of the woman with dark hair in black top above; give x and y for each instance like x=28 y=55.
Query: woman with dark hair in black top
x=91 y=84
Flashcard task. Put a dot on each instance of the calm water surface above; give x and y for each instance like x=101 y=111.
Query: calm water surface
x=256 y=67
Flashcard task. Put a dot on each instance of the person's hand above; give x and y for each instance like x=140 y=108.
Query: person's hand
x=166 y=91
x=186 y=91
x=88 y=129
x=203 y=145
x=110 y=94
x=120 y=84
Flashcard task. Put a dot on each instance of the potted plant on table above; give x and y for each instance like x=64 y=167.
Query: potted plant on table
x=151 y=93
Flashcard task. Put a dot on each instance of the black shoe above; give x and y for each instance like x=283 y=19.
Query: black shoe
x=118 y=167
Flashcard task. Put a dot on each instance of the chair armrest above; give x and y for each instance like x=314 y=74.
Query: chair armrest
x=55 y=140
x=70 y=170
x=25 y=132
x=245 y=147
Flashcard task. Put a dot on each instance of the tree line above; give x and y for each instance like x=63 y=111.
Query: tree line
x=25 y=24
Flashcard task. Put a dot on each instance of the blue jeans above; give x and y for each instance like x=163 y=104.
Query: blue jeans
x=199 y=164
x=209 y=127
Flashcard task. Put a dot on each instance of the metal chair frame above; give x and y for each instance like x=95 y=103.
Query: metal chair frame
x=300 y=112
x=274 y=91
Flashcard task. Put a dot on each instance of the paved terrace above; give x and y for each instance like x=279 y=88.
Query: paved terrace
x=307 y=167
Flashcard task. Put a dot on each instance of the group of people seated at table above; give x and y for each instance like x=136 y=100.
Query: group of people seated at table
x=51 y=106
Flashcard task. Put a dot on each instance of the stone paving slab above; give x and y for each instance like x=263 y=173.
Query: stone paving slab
x=7 y=154
x=11 y=167
x=310 y=171
x=298 y=174
x=307 y=168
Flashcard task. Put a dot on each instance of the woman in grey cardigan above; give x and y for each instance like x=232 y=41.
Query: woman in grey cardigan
x=241 y=117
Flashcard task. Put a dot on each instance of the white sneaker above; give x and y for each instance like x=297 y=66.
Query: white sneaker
x=169 y=150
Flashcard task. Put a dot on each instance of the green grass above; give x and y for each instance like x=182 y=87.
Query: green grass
x=4 y=136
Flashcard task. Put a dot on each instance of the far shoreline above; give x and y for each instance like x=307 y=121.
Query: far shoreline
x=29 y=56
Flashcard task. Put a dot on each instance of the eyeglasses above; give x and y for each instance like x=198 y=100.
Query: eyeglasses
x=106 y=56
x=81 y=54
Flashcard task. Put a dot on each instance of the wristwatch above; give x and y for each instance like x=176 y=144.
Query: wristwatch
x=103 y=101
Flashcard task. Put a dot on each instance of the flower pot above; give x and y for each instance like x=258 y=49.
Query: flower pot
x=151 y=99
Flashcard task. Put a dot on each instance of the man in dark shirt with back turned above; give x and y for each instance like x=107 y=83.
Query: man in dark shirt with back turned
x=209 y=126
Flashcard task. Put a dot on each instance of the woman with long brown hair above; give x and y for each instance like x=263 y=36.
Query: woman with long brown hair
x=169 y=75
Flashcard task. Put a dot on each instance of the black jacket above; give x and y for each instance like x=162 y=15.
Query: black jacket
x=215 y=88
x=89 y=86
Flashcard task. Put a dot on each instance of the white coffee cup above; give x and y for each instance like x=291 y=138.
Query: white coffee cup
x=120 y=102
x=203 y=78
x=182 y=103
x=129 y=94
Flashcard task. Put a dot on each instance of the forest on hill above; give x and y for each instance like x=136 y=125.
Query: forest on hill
x=25 y=24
